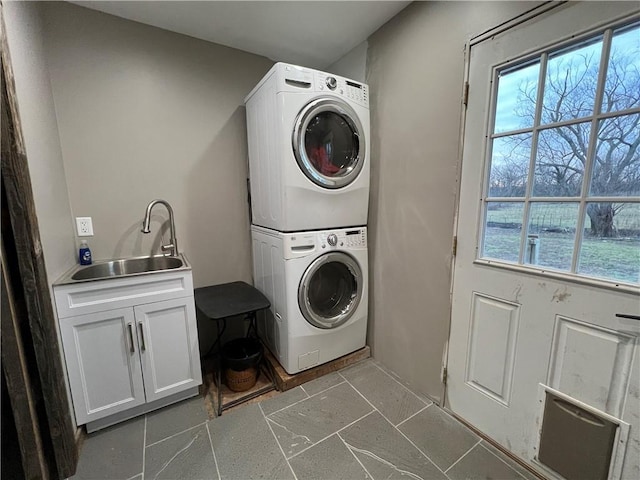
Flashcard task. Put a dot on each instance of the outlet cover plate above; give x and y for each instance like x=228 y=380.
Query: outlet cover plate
x=84 y=226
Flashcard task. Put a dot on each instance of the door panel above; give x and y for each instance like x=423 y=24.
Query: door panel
x=492 y=338
x=169 y=350
x=514 y=328
x=572 y=364
x=102 y=388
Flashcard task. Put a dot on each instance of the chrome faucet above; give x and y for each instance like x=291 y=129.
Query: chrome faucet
x=172 y=247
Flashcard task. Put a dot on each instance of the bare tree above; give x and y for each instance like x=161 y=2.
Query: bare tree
x=561 y=155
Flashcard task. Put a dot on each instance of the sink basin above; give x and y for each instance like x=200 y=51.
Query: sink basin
x=127 y=266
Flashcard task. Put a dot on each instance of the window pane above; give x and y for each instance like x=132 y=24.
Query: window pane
x=551 y=234
x=510 y=166
x=560 y=160
x=516 y=99
x=571 y=81
x=502 y=231
x=611 y=244
x=616 y=170
x=622 y=87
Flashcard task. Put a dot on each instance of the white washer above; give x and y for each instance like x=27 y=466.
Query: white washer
x=308 y=137
x=317 y=283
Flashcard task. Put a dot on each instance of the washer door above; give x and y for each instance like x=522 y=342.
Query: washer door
x=328 y=142
x=330 y=290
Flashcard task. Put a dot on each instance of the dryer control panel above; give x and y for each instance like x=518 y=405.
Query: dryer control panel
x=293 y=78
x=354 y=91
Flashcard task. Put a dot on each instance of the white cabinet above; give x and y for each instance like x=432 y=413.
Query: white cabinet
x=129 y=342
x=169 y=350
x=103 y=363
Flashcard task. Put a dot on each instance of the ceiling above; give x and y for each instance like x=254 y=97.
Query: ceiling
x=310 y=33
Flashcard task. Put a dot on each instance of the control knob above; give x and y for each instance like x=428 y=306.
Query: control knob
x=332 y=83
x=332 y=240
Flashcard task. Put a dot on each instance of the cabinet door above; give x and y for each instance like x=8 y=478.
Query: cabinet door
x=169 y=352
x=102 y=359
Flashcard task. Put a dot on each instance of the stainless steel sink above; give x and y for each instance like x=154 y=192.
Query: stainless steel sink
x=125 y=267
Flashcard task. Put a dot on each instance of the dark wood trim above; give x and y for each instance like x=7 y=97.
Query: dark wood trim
x=57 y=432
x=285 y=382
x=16 y=373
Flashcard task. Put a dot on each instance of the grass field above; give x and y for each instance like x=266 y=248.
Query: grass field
x=615 y=259
x=560 y=215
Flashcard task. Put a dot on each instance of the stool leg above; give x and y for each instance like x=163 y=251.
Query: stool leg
x=219 y=366
x=252 y=324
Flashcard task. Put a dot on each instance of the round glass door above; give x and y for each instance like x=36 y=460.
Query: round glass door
x=328 y=143
x=330 y=290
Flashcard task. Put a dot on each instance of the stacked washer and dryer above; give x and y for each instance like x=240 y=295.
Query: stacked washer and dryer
x=308 y=135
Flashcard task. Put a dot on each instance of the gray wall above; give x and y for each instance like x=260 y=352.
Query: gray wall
x=40 y=133
x=415 y=71
x=353 y=64
x=144 y=113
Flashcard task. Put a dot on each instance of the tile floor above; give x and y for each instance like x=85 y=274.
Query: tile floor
x=358 y=423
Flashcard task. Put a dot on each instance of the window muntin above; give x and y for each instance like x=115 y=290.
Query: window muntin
x=564 y=160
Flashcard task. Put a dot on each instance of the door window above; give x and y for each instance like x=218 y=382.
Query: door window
x=563 y=182
x=328 y=143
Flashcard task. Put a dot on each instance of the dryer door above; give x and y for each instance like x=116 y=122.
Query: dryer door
x=330 y=290
x=329 y=143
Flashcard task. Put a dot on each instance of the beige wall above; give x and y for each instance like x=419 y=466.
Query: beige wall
x=353 y=64
x=42 y=144
x=415 y=71
x=37 y=114
x=143 y=114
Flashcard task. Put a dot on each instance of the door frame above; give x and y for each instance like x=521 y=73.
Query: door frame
x=51 y=437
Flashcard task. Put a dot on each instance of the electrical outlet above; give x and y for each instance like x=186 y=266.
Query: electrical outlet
x=84 y=226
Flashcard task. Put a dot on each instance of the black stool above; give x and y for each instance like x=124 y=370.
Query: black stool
x=220 y=302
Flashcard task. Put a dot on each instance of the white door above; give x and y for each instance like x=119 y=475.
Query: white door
x=168 y=342
x=101 y=388
x=549 y=228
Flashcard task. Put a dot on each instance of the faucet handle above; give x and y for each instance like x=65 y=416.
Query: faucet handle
x=170 y=250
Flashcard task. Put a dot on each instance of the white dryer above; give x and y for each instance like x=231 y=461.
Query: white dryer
x=308 y=137
x=317 y=283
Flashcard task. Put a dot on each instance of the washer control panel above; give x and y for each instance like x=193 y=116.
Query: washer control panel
x=346 y=238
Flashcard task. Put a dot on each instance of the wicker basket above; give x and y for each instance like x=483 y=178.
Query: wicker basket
x=242 y=380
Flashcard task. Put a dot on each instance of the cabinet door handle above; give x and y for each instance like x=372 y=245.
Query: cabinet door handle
x=143 y=347
x=132 y=348
x=627 y=315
